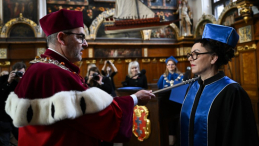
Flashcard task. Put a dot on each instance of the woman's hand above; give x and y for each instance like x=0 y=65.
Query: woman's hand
x=12 y=77
x=100 y=80
x=89 y=79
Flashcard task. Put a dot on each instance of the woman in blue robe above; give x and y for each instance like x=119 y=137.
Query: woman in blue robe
x=216 y=110
x=171 y=75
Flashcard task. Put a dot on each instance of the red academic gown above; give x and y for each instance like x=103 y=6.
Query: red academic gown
x=43 y=80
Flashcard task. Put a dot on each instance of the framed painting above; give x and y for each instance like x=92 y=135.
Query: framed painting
x=70 y=2
x=245 y=34
x=13 y=8
x=166 y=32
x=104 y=1
x=162 y=4
x=89 y=12
x=117 y=53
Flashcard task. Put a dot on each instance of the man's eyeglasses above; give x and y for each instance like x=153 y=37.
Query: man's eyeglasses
x=82 y=36
x=194 y=55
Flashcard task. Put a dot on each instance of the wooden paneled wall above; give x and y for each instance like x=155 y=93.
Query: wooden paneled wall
x=153 y=64
x=243 y=68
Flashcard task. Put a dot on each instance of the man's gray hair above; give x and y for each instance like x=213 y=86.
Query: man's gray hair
x=51 y=39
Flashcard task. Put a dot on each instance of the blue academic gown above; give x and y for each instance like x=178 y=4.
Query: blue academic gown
x=162 y=82
x=217 y=112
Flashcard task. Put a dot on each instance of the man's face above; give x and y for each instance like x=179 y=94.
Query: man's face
x=75 y=43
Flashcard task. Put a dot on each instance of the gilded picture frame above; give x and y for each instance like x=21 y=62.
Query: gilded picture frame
x=245 y=34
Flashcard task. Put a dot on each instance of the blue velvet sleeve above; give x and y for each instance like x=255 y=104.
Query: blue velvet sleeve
x=160 y=82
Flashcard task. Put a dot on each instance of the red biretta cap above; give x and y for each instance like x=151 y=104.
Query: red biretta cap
x=61 y=20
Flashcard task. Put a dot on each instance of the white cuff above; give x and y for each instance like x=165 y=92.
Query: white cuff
x=60 y=106
x=135 y=99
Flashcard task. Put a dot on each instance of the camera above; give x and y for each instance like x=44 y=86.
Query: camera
x=96 y=76
x=108 y=62
x=18 y=74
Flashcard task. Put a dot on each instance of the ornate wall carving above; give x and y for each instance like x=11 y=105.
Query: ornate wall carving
x=7 y=26
x=98 y=21
x=225 y=11
x=201 y=23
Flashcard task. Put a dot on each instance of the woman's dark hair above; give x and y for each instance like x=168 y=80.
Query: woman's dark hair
x=94 y=69
x=18 y=66
x=93 y=81
x=224 y=51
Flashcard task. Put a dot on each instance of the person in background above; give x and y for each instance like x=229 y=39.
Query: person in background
x=171 y=74
x=7 y=84
x=216 y=110
x=171 y=77
x=52 y=105
x=87 y=73
x=97 y=80
x=4 y=73
x=109 y=73
x=104 y=83
x=135 y=78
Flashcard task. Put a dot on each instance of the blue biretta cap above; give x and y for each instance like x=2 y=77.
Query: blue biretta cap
x=224 y=34
x=171 y=58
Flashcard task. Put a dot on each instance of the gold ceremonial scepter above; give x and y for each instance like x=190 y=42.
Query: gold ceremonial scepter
x=180 y=84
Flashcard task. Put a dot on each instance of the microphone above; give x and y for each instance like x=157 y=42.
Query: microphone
x=187 y=74
x=142 y=72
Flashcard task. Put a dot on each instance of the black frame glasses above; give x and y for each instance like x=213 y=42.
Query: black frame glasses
x=194 y=55
x=82 y=35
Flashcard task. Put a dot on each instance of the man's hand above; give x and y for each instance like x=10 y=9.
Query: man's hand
x=144 y=96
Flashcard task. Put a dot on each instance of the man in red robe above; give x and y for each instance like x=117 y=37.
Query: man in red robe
x=53 y=106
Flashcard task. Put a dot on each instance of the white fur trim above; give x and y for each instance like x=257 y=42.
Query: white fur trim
x=66 y=104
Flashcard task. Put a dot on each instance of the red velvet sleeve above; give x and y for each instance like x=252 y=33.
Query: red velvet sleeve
x=112 y=124
x=42 y=81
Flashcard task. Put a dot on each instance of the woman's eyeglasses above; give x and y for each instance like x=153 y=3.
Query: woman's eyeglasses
x=194 y=55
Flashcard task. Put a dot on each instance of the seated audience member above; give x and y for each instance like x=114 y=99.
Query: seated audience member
x=7 y=85
x=54 y=105
x=87 y=73
x=135 y=78
x=97 y=80
x=170 y=75
x=109 y=73
x=4 y=73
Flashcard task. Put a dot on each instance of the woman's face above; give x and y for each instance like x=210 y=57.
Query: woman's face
x=170 y=66
x=203 y=64
x=134 y=70
x=108 y=69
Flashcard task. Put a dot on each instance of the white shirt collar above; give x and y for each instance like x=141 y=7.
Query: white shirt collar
x=58 y=53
